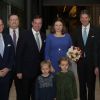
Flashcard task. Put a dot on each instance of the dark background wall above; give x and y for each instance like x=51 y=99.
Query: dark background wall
x=49 y=9
x=62 y=2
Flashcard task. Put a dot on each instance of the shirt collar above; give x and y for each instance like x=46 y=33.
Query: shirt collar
x=11 y=30
x=0 y=34
x=34 y=32
x=87 y=27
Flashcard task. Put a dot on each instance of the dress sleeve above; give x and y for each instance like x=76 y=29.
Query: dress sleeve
x=70 y=41
x=47 y=48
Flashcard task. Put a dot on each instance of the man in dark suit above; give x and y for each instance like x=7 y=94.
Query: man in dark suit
x=16 y=33
x=29 y=55
x=86 y=68
x=6 y=62
x=97 y=51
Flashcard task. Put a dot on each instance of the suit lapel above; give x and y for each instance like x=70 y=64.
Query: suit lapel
x=42 y=40
x=33 y=40
x=19 y=36
x=5 y=46
x=80 y=37
x=89 y=35
x=0 y=56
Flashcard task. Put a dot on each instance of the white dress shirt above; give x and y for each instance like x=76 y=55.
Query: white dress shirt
x=39 y=36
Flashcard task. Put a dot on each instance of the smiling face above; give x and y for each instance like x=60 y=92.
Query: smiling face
x=1 y=26
x=45 y=69
x=64 y=65
x=13 y=21
x=85 y=19
x=58 y=26
x=37 y=24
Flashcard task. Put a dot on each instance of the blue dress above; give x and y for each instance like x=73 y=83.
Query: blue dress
x=56 y=47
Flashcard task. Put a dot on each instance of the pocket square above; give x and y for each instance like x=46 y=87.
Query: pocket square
x=92 y=36
x=8 y=45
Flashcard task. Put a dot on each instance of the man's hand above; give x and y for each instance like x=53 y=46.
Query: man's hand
x=96 y=71
x=19 y=75
x=4 y=72
x=1 y=74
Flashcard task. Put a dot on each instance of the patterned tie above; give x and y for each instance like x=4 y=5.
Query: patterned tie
x=37 y=40
x=84 y=36
x=14 y=38
x=1 y=46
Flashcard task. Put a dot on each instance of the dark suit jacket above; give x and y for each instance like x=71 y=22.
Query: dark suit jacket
x=8 y=58
x=21 y=33
x=88 y=49
x=97 y=49
x=28 y=55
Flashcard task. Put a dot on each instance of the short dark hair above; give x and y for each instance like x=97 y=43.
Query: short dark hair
x=1 y=20
x=13 y=15
x=37 y=17
x=45 y=62
x=61 y=20
x=85 y=11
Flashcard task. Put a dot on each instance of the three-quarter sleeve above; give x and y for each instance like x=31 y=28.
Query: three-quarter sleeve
x=47 y=48
x=70 y=41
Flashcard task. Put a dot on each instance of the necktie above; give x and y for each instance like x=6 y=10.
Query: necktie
x=14 y=38
x=37 y=40
x=1 y=46
x=84 y=36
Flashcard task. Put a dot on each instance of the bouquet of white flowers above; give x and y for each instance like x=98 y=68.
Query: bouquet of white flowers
x=74 y=53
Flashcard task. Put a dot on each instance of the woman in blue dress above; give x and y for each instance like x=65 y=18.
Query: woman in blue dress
x=57 y=43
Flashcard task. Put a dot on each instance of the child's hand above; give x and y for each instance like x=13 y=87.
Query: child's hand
x=96 y=71
x=52 y=69
x=19 y=75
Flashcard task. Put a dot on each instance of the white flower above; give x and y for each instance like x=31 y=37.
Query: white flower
x=74 y=53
